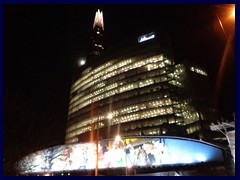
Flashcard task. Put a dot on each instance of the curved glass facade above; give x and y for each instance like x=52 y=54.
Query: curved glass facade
x=142 y=89
x=125 y=81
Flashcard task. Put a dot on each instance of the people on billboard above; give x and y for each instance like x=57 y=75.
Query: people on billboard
x=91 y=156
x=129 y=150
x=115 y=156
x=119 y=154
x=158 y=150
x=102 y=152
x=150 y=153
x=83 y=158
x=47 y=159
x=141 y=156
x=66 y=157
x=38 y=163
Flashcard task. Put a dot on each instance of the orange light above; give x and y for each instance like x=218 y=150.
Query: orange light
x=233 y=13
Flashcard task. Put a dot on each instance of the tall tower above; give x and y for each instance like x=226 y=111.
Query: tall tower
x=97 y=37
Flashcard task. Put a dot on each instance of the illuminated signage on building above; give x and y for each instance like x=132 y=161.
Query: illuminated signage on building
x=115 y=153
x=146 y=37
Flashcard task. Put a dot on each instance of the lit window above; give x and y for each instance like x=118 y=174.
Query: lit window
x=198 y=70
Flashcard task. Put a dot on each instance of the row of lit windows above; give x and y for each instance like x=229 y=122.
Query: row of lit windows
x=139 y=124
x=108 y=75
x=87 y=100
x=193 y=128
x=115 y=84
x=127 y=118
x=99 y=72
x=152 y=131
x=150 y=74
x=98 y=45
x=198 y=70
x=113 y=70
x=190 y=116
x=177 y=74
x=89 y=74
x=134 y=125
x=148 y=123
x=133 y=133
x=72 y=140
x=176 y=83
x=116 y=72
x=124 y=110
x=147 y=95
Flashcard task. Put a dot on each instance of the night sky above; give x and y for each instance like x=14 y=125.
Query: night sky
x=42 y=44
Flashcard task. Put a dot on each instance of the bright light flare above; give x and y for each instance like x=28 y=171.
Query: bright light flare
x=233 y=13
x=187 y=160
x=81 y=62
x=118 y=138
x=110 y=116
x=200 y=157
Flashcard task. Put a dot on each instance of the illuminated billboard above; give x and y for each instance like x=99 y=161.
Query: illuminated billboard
x=125 y=152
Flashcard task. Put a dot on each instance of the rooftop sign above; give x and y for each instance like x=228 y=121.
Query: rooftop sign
x=146 y=37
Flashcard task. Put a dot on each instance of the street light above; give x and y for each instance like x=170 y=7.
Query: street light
x=228 y=34
x=109 y=116
x=231 y=15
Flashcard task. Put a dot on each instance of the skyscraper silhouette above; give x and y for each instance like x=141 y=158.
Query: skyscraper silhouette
x=97 y=37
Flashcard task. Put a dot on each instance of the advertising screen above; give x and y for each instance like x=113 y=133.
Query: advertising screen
x=126 y=152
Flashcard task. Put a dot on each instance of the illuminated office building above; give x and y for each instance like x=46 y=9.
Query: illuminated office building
x=135 y=90
x=145 y=92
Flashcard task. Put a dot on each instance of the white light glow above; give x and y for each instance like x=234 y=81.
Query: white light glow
x=118 y=138
x=110 y=116
x=198 y=70
x=98 y=19
x=187 y=159
x=146 y=37
x=201 y=158
x=81 y=62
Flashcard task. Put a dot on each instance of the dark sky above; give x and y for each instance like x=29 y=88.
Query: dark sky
x=42 y=44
